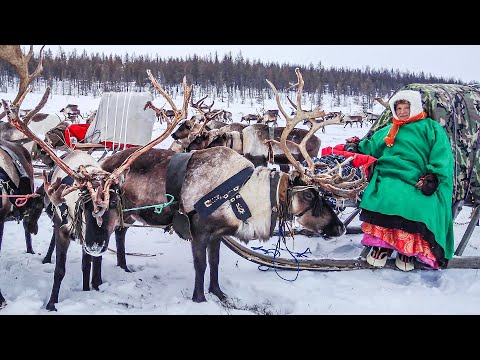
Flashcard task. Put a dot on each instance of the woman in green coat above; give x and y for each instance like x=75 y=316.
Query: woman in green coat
x=406 y=206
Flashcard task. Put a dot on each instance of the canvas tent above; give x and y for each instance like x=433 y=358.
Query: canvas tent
x=121 y=120
x=457 y=109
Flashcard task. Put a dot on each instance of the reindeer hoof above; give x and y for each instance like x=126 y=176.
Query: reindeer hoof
x=199 y=298
x=47 y=260
x=96 y=286
x=219 y=293
x=30 y=251
x=126 y=268
x=51 y=307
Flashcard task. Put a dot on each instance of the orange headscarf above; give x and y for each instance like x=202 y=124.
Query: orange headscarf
x=390 y=138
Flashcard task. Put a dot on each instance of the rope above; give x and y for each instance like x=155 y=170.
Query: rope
x=22 y=199
x=134 y=254
x=121 y=125
x=158 y=208
x=283 y=223
x=126 y=122
x=115 y=123
x=106 y=124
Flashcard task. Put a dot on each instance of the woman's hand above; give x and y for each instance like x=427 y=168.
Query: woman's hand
x=427 y=184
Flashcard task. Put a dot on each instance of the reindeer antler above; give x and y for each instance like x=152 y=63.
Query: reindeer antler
x=329 y=181
x=382 y=102
x=206 y=115
x=13 y=55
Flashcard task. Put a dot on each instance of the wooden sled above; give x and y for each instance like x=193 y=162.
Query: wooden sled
x=457 y=262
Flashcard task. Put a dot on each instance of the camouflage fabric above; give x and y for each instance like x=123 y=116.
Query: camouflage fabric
x=457 y=109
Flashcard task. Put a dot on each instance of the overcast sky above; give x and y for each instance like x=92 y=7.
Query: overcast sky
x=458 y=61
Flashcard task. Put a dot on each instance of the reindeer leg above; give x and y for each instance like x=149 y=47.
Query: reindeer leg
x=2 y=223
x=97 y=272
x=213 y=261
x=51 y=247
x=62 y=241
x=28 y=238
x=86 y=265
x=199 y=248
x=3 y=302
x=120 y=240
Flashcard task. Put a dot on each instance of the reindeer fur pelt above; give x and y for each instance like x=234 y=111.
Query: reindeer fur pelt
x=6 y=162
x=206 y=173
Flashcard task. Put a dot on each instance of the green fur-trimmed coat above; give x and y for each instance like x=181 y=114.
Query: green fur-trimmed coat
x=420 y=147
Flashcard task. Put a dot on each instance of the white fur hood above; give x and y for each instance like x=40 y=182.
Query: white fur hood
x=414 y=97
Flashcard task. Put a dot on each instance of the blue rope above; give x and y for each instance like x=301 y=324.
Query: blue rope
x=281 y=235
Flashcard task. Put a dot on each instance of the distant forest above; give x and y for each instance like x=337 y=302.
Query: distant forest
x=86 y=74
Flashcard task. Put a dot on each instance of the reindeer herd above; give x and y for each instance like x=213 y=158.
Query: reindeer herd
x=215 y=178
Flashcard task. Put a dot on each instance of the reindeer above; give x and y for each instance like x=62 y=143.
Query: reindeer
x=306 y=122
x=254 y=143
x=370 y=117
x=351 y=119
x=161 y=114
x=18 y=200
x=269 y=117
x=71 y=112
x=251 y=117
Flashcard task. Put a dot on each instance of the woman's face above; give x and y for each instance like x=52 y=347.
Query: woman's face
x=403 y=111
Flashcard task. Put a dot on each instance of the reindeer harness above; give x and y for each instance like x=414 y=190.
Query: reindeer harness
x=227 y=191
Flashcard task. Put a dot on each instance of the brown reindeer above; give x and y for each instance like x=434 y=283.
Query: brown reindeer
x=18 y=199
x=269 y=118
x=160 y=113
x=251 y=117
x=353 y=119
x=254 y=143
x=370 y=117
x=307 y=122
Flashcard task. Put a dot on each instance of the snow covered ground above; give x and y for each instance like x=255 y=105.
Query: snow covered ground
x=162 y=280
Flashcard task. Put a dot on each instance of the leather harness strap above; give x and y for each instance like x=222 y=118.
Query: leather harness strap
x=176 y=171
x=227 y=191
x=278 y=195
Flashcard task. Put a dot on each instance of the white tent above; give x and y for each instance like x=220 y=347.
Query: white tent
x=121 y=120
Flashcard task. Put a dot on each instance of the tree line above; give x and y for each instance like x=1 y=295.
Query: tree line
x=86 y=74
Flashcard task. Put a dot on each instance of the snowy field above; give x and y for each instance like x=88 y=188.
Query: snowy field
x=162 y=280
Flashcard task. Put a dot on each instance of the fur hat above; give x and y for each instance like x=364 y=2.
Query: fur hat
x=412 y=96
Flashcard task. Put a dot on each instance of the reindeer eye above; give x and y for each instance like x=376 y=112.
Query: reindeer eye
x=308 y=195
